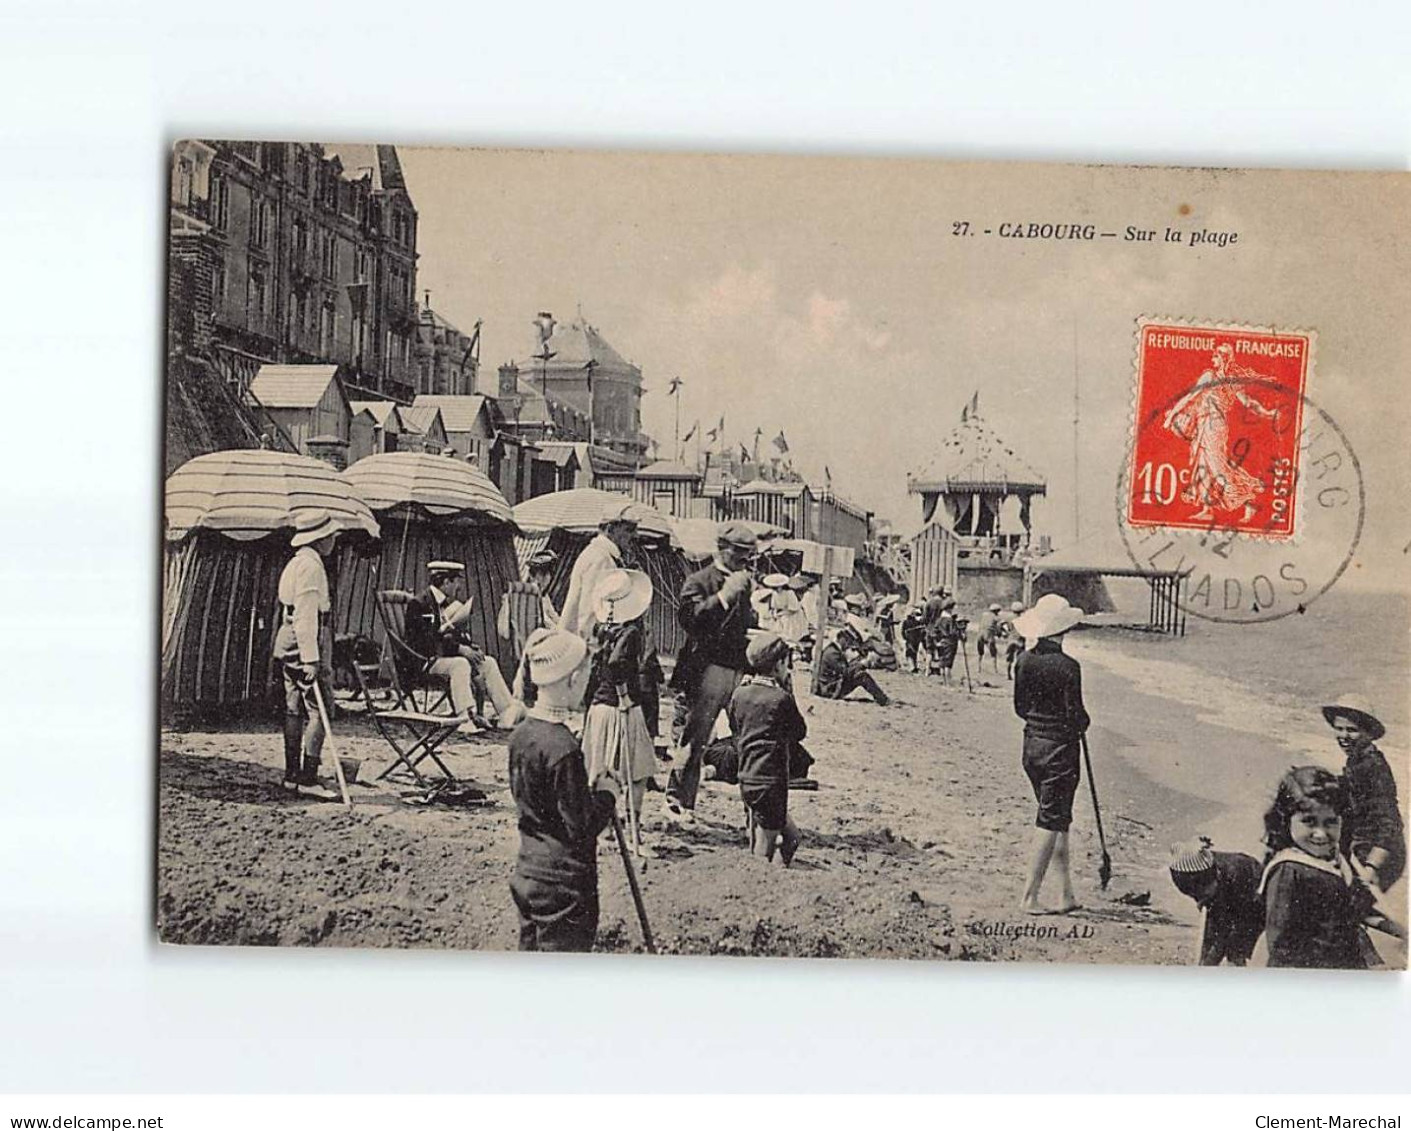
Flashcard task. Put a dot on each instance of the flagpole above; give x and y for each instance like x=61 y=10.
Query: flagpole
x=676 y=451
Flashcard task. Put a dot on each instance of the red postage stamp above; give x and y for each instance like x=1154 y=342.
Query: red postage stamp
x=1219 y=412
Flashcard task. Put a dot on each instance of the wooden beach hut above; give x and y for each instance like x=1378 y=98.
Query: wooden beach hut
x=229 y=516
x=565 y=521
x=432 y=508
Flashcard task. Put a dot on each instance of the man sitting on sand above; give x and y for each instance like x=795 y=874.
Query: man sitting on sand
x=842 y=670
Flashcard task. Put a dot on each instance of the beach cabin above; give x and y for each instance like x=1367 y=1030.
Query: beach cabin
x=470 y=423
x=668 y=486
x=387 y=428
x=425 y=431
x=305 y=402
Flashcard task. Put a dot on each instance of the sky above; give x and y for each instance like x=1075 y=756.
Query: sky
x=832 y=299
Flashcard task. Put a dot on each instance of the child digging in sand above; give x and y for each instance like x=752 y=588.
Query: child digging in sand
x=768 y=728
x=555 y=880
x=1314 y=905
x=1224 y=885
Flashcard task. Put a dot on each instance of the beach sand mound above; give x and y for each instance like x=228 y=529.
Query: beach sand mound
x=914 y=848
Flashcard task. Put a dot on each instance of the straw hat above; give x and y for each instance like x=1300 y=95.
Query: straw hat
x=1050 y=616
x=553 y=655
x=1192 y=856
x=622 y=596
x=441 y=568
x=312 y=525
x=774 y=580
x=889 y=600
x=1016 y=606
x=859 y=625
x=764 y=651
x=799 y=582
x=994 y=608
x=1359 y=710
x=544 y=559
x=856 y=600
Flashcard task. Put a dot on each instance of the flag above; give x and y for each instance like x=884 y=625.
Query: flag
x=827 y=476
x=673 y=386
x=687 y=437
x=781 y=443
x=721 y=427
x=744 y=454
x=714 y=434
x=975 y=403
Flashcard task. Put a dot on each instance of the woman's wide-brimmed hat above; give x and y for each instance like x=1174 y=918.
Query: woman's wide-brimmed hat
x=1359 y=710
x=553 y=655
x=1050 y=616
x=312 y=525
x=859 y=625
x=799 y=582
x=855 y=600
x=1016 y=606
x=622 y=596
x=774 y=580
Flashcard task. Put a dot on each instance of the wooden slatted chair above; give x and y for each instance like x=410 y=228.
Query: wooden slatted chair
x=421 y=708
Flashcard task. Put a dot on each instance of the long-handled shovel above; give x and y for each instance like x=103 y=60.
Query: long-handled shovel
x=328 y=741
x=1104 y=873
x=647 y=939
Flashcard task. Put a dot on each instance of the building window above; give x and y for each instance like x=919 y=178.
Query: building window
x=255 y=300
x=325 y=330
x=330 y=256
x=360 y=266
x=259 y=223
x=220 y=202
x=304 y=163
x=185 y=173
x=218 y=284
x=386 y=353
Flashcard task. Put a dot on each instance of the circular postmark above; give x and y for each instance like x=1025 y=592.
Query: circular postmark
x=1247 y=492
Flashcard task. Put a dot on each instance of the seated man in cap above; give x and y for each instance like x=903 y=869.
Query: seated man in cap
x=842 y=669
x=436 y=627
x=716 y=613
x=303 y=648
x=610 y=548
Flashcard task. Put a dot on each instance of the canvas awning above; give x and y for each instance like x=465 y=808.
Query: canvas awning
x=581 y=509
x=248 y=494
x=438 y=486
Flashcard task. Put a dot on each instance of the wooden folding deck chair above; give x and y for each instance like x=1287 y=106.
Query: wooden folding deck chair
x=421 y=707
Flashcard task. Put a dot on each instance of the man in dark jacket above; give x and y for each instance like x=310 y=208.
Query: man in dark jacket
x=716 y=613
x=841 y=670
x=436 y=628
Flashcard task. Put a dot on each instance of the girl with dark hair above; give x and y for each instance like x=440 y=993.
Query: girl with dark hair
x=1314 y=905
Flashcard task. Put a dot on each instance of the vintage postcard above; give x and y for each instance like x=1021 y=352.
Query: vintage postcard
x=744 y=555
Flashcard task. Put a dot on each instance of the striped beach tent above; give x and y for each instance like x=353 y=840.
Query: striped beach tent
x=432 y=508
x=228 y=518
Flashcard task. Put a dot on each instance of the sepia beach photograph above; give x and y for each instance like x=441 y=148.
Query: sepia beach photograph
x=783 y=556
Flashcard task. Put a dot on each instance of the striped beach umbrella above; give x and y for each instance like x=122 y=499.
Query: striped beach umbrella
x=247 y=494
x=698 y=536
x=438 y=486
x=581 y=509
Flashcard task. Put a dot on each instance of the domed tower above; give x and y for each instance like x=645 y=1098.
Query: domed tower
x=576 y=366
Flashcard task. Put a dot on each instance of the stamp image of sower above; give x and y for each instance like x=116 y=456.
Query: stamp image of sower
x=1235 y=477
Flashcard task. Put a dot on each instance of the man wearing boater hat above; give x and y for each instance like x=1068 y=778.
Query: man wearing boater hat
x=1373 y=836
x=436 y=620
x=716 y=613
x=303 y=649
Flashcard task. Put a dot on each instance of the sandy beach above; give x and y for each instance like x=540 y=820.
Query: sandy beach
x=914 y=844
